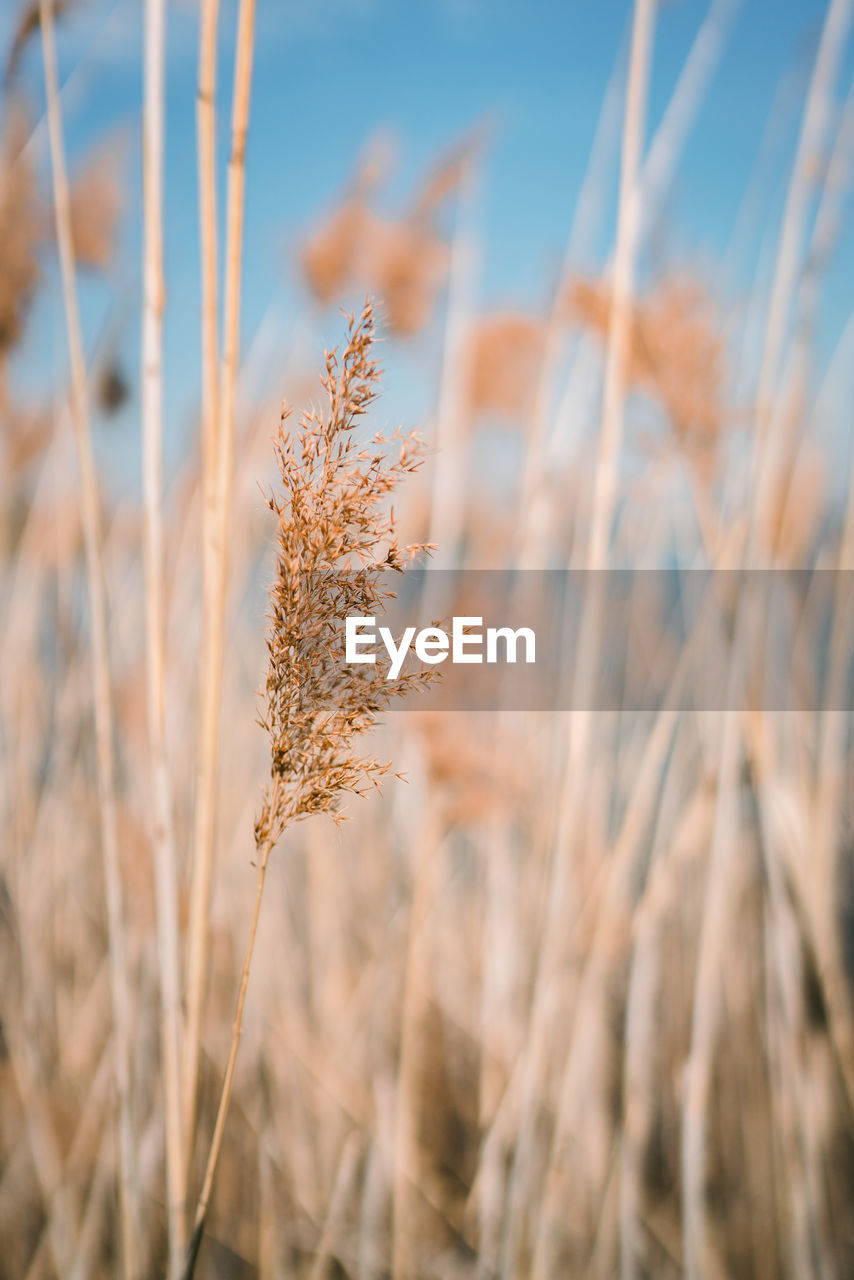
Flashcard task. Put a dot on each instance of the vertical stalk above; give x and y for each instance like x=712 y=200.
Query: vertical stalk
x=103 y=703
x=628 y=226
x=219 y=450
x=448 y=494
x=718 y=906
x=671 y=135
x=231 y=317
x=557 y=925
x=203 y=830
x=417 y=987
x=798 y=196
x=152 y=482
x=263 y=857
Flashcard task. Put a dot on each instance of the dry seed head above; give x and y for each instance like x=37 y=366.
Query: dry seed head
x=675 y=352
x=404 y=261
x=336 y=541
x=504 y=359
x=328 y=259
x=19 y=232
x=29 y=21
x=473 y=779
x=96 y=206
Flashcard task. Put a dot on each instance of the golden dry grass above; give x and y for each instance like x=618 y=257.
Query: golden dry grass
x=575 y=999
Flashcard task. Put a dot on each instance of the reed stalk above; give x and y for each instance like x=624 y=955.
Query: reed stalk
x=102 y=692
x=218 y=415
x=228 y=1079
x=707 y=995
x=333 y=525
x=165 y=872
x=628 y=228
x=210 y=655
x=671 y=135
x=665 y=150
x=556 y=927
x=798 y=196
x=231 y=303
x=448 y=497
x=417 y=990
x=821 y=894
x=639 y=1038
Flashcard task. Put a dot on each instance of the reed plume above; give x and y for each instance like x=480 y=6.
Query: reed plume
x=19 y=223
x=335 y=547
x=336 y=543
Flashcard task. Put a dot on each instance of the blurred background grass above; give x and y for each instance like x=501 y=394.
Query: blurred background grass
x=576 y=1000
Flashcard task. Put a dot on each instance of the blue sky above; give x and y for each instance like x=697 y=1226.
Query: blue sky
x=330 y=74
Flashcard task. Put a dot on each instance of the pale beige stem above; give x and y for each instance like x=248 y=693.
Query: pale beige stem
x=152 y=483
x=683 y=108
x=535 y=496
x=613 y=406
x=788 y=263
x=577 y=1133
x=718 y=906
x=416 y=994
x=336 y=1224
x=209 y=686
x=821 y=890
x=218 y=485
x=766 y=460
x=638 y=1059
x=103 y=703
x=665 y=151
x=619 y=332
x=832 y=728
x=233 y=263
x=574 y=780
x=448 y=496
x=228 y=1080
x=717 y=913
x=93 y=1225
x=788 y=1033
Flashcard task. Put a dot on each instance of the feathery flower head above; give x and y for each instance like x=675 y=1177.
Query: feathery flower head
x=336 y=543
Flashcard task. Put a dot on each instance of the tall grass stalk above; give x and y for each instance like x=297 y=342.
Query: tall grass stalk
x=831 y=732
x=334 y=525
x=613 y=403
x=813 y=133
x=535 y=496
x=231 y=303
x=558 y=911
x=103 y=702
x=218 y=480
x=639 y=1041
x=694 y=79
x=210 y=656
x=417 y=990
x=821 y=896
x=713 y=934
x=665 y=150
x=165 y=870
x=800 y=1173
x=228 y=1079
x=447 y=506
x=628 y=228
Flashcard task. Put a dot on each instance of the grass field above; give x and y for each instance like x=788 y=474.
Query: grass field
x=575 y=996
